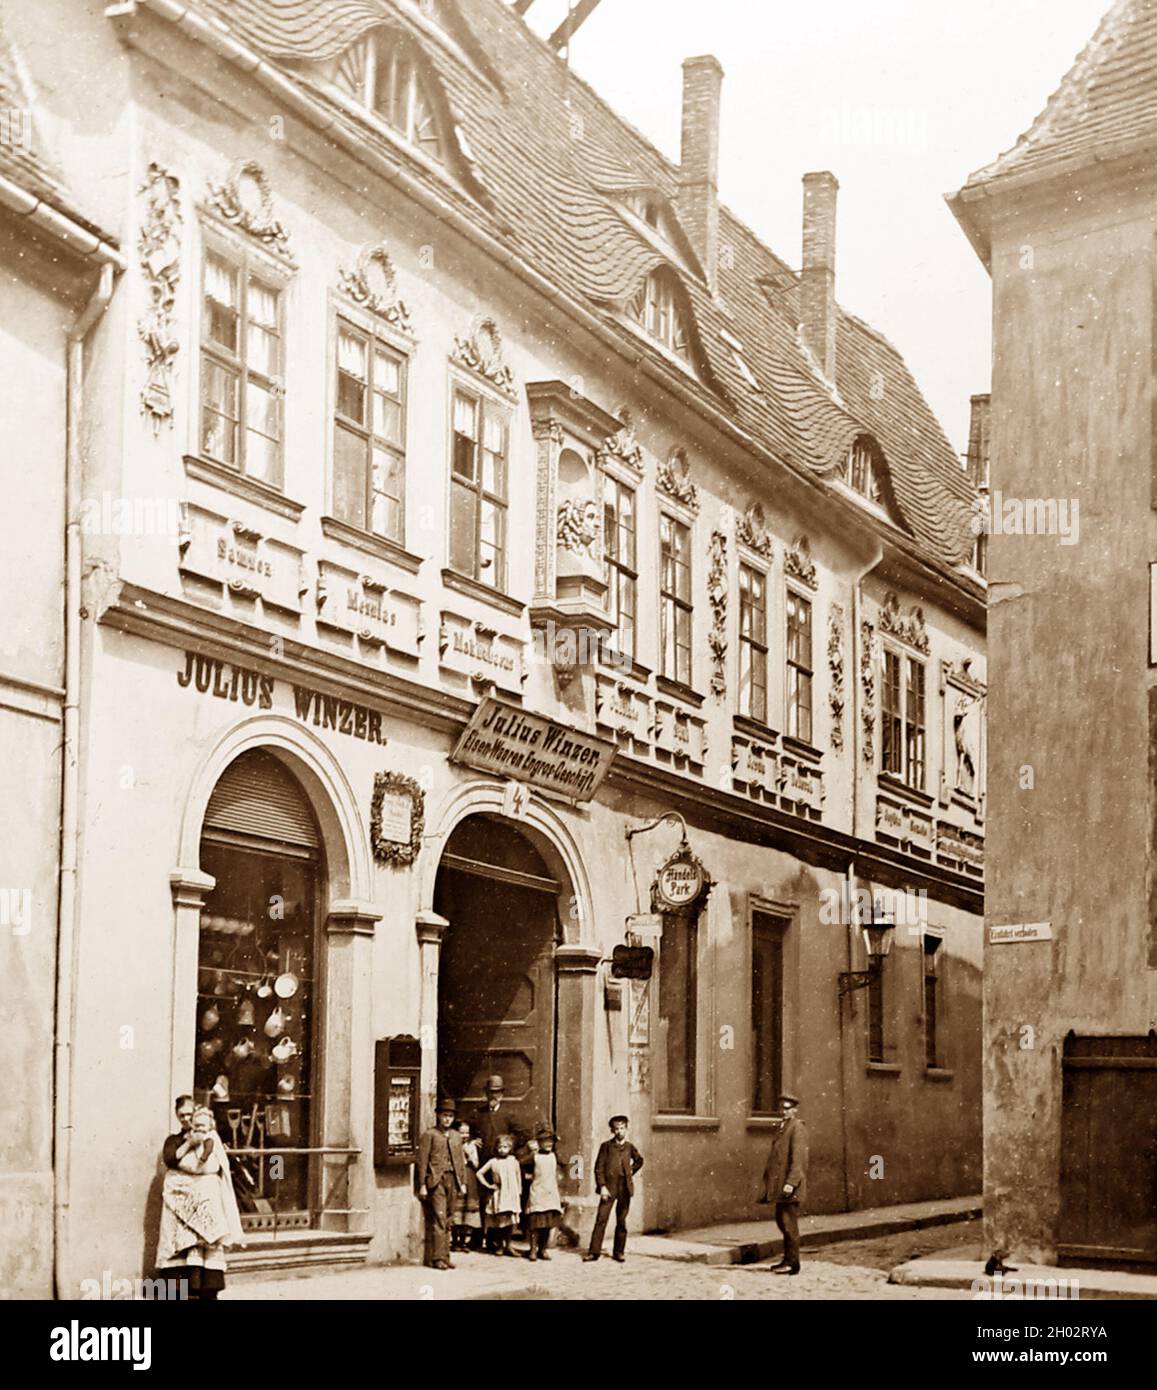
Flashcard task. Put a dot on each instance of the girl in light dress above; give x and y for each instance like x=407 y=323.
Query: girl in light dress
x=544 y=1205
x=501 y=1179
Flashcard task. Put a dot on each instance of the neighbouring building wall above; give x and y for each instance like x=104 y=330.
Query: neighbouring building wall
x=1069 y=782
x=33 y=324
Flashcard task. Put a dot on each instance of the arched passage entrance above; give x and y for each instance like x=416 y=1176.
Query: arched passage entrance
x=497 y=986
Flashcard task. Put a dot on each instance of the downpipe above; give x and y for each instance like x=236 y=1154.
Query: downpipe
x=67 y=940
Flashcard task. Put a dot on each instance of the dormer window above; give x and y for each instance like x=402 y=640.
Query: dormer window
x=381 y=75
x=645 y=206
x=861 y=471
x=656 y=310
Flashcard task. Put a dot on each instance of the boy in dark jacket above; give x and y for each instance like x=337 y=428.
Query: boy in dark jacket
x=615 y=1168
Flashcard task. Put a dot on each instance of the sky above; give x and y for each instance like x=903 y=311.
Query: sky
x=900 y=99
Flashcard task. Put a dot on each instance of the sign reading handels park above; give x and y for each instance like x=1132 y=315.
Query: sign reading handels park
x=504 y=739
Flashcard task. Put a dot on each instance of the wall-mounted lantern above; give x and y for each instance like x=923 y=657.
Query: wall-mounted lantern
x=878 y=931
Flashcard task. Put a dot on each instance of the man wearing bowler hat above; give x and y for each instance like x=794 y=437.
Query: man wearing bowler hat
x=441 y=1175
x=785 y=1181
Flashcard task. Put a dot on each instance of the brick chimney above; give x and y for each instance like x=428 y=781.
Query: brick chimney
x=978 y=436
x=818 y=278
x=699 y=160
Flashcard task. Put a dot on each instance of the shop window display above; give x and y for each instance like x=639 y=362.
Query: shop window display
x=255 y=1023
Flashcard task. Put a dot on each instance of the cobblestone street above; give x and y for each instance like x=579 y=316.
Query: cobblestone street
x=847 y=1270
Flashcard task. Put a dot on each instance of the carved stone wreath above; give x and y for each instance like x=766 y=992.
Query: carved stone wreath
x=836 y=671
x=245 y=200
x=624 y=446
x=374 y=283
x=717 y=597
x=798 y=562
x=159 y=254
x=393 y=852
x=482 y=353
x=751 y=530
x=674 y=478
x=910 y=629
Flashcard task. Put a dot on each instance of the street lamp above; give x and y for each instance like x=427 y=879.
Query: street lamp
x=877 y=932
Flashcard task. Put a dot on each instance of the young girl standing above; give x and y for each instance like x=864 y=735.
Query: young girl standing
x=501 y=1178
x=544 y=1206
x=467 y=1216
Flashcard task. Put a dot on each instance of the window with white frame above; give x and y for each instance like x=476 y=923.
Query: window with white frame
x=903 y=742
x=655 y=308
x=241 y=364
x=478 y=487
x=619 y=562
x=369 y=455
x=799 y=666
x=675 y=607
x=753 y=643
x=381 y=74
x=861 y=471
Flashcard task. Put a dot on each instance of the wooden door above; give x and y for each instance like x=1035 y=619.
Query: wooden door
x=1109 y=1150
x=496 y=993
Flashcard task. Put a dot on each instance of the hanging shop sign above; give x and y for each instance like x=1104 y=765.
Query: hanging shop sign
x=632 y=962
x=534 y=750
x=681 y=882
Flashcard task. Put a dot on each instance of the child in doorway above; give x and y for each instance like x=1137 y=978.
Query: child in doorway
x=467 y=1215
x=544 y=1205
x=501 y=1179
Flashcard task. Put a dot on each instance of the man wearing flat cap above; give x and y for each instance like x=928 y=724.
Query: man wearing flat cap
x=785 y=1181
x=441 y=1175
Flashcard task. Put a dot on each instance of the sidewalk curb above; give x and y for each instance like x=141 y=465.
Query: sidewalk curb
x=1093 y=1284
x=753 y=1252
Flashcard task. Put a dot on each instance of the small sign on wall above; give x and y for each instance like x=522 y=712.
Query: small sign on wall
x=1020 y=931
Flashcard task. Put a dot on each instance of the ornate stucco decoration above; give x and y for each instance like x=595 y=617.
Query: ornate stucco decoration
x=751 y=530
x=836 y=673
x=868 y=683
x=373 y=282
x=481 y=351
x=624 y=446
x=674 y=478
x=580 y=527
x=717 y=598
x=798 y=562
x=910 y=628
x=159 y=254
x=245 y=200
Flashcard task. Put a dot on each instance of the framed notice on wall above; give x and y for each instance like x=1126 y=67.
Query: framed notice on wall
x=397 y=818
x=397 y=1101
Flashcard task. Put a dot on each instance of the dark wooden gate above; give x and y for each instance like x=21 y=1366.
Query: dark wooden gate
x=1109 y=1150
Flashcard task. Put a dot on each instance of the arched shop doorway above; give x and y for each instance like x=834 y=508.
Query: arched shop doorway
x=257 y=1029
x=497 y=989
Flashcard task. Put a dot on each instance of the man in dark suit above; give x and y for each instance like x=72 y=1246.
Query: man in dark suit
x=615 y=1167
x=785 y=1181
x=494 y=1117
x=441 y=1175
